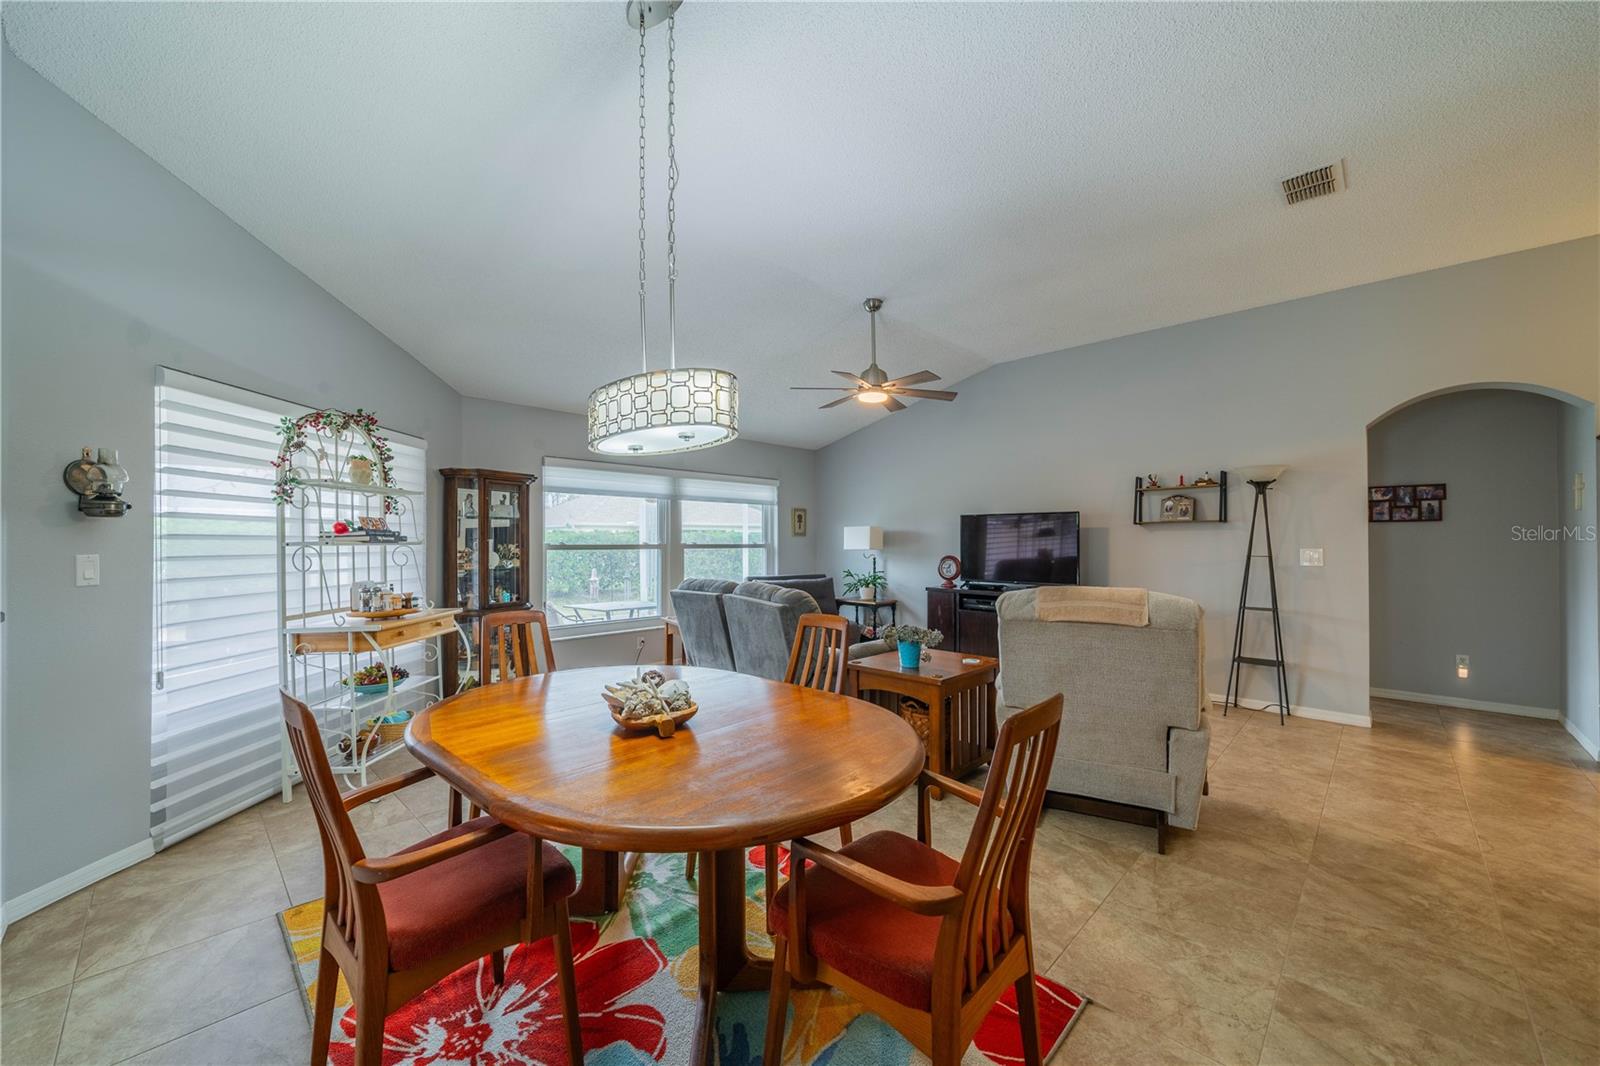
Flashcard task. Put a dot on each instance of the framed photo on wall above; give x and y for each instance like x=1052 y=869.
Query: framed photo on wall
x=1405 y=503
x=797 y=521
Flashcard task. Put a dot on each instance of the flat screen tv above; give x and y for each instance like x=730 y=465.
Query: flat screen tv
x=1020 y=549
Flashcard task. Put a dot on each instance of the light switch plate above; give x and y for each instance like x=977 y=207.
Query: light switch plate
x=1310 y=556
x=87 y=569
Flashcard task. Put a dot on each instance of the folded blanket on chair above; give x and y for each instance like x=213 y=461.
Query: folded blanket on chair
x=1089 y=603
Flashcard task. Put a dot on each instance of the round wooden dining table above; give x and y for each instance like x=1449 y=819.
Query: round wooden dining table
x=761 y=762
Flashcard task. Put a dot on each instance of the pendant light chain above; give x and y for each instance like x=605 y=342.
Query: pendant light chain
x=672 y=193
x=644 y=349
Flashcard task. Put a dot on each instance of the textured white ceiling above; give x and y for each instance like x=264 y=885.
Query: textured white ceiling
x=1013 y=178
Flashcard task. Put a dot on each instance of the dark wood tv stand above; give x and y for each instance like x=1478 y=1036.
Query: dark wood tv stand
x=967 y=618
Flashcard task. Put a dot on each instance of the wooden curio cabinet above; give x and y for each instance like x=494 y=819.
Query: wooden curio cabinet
x=487 y=552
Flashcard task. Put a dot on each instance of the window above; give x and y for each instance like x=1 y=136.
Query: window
x=215 y=718
x=724 y=540
x=602 y=557
x=617 y=537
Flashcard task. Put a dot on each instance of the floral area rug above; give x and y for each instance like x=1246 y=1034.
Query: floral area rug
x=636 y=975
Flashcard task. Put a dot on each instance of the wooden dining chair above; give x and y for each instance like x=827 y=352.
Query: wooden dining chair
x=519 y=643
x=396 y=925
x=816 y=660
x=926 y=943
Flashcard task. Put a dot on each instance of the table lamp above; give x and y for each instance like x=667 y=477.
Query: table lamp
x=863 y=539
x=869 y=540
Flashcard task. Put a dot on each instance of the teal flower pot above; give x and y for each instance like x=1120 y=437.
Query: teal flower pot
x=910 y=655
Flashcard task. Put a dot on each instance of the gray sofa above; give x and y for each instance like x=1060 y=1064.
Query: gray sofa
x=762 y=619
x=697 y=605
x=1133 y=737
x=820 y=588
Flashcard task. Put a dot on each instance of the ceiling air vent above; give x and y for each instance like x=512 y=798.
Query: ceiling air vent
x=1323 y=181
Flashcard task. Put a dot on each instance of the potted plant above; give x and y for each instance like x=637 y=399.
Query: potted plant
x=866 y=584
x=361 y=469
x=910 y=640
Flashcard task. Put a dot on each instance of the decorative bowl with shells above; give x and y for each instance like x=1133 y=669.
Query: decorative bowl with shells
x=650 y=704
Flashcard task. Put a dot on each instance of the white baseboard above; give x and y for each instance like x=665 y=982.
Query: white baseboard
x=62 y=887
x=1363 y=721
x=1468 y=705
x=1588 y=744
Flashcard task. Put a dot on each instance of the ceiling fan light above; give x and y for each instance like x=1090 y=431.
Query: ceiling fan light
x=872 y=396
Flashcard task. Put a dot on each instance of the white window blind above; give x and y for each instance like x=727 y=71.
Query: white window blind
x=617 y=537
x=215 y=716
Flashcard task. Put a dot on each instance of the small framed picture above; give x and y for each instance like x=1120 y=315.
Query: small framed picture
x=1378 y=511
x=372 y=524
x=1380 y=493
x=1405 y=495
x=1430 y=492
x=1430 y=510
x=1177 y=509
x=1398 y=513
x=797 y=521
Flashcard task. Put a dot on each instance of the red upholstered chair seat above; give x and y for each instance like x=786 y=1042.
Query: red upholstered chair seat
x=441 y=907
x=866 y=937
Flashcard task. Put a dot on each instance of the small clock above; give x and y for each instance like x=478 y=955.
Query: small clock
x=949 y=569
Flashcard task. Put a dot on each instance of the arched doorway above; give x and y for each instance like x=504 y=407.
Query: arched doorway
x=1483 y=586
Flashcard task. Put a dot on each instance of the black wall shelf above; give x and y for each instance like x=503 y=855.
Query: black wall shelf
x=1141 y=490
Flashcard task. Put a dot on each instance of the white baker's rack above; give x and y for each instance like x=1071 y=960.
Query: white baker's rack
x=321 y=642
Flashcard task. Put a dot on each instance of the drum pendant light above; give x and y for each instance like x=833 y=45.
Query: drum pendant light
x=678 y=409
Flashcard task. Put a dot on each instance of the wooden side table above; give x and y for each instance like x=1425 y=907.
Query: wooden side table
x=959 y=695
x=870 y=627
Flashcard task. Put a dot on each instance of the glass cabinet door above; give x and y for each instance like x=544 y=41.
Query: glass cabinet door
x=504 y=543
x=468 y=592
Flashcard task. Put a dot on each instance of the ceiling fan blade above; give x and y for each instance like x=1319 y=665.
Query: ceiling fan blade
x=836 y=403
x=823 y=388
x=853 y=377
x=926 y=394
x=893 y=404
x=913 y=379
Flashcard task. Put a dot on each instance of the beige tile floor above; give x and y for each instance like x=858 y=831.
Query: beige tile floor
x=1426 y=891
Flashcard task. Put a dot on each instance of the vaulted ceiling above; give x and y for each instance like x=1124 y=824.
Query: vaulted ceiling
x=1012 y=178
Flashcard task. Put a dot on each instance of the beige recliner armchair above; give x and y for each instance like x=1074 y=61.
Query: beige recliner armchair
x=1133 y=737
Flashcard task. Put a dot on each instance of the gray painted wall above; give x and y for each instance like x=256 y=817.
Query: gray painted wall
x=509 y=437
x=113 y=267
x=1468 y=585
x=1580 y=583
x=1297 y=383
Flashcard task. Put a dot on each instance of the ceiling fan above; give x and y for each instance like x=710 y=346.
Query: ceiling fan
x=872 y=385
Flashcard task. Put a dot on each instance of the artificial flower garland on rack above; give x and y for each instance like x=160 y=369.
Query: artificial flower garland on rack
x=332 y=424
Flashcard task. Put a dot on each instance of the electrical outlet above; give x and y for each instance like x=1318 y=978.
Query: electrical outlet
x=1463 y=666
x=87 y=570
x=1310 y=556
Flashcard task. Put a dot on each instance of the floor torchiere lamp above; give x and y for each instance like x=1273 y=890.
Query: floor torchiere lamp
x=1261 y=479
